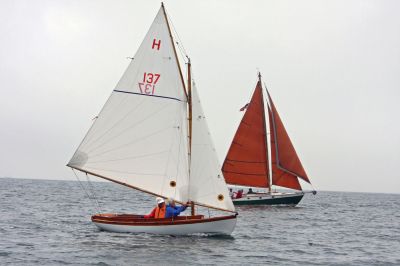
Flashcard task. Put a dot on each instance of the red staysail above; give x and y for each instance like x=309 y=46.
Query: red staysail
x=286 y=165
x=246 y=163
x=279 y=176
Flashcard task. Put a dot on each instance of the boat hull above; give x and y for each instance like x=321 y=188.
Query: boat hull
x=182 y=225
x=291 y=199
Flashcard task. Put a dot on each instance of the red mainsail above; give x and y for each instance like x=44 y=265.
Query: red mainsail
x=246 y=163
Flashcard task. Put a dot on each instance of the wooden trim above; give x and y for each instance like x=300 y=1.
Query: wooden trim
x=134 y=220
x=173 y=46
x=192 y=209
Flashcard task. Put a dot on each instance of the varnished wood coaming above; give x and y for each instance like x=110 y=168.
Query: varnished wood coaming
x=136 y=220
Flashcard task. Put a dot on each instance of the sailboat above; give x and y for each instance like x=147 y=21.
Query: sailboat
x=152 y=136
x=256 y=159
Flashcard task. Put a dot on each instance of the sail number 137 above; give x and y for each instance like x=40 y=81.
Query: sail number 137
x=149 y=82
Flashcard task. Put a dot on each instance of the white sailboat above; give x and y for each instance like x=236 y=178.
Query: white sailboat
x=145 y=138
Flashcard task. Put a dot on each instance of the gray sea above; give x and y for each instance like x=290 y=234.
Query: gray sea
x=48 y=223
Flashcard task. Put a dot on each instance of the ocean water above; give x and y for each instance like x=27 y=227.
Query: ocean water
x=48 y=223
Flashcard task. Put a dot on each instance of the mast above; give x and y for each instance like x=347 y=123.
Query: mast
x=173 y=47
x=266 y=136
x=189 y=95
x=189 y=91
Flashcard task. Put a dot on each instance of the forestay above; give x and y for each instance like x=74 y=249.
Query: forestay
x=207 y=184
x=140 y=135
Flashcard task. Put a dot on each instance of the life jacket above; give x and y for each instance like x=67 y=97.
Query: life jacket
x=160 y=212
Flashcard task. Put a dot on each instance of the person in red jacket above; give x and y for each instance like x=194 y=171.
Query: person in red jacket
x=159 y=211
x=239 y=194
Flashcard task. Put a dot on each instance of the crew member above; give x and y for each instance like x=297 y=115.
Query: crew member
x=172 y=210
x=159 y=211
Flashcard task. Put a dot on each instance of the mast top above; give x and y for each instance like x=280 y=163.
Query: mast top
x=259 y=76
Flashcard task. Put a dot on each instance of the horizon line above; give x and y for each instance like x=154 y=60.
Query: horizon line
x=105 y=181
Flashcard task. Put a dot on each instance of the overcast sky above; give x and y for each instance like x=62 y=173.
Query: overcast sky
x=332 y=68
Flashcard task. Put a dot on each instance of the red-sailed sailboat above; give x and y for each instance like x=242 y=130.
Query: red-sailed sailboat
x=257 y=160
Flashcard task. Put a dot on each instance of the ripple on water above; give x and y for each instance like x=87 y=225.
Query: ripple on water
x=48 y=223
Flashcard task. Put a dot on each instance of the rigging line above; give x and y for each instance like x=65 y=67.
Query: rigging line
x=93 y=192
x=92 y=142
x=131 y=142
x=314 y=190
x=129 y=128
x=82 y=186
x=176 y=33
x=178 y=43
x=128 y=158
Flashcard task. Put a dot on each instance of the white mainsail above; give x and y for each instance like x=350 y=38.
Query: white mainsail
x=207 y=183
x=140 y=136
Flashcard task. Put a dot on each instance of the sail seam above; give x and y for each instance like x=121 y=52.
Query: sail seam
x=129 y=143
x=126 y=129
x=94 y=142
x=245 y=161
x=130 y=157
x=241 y=173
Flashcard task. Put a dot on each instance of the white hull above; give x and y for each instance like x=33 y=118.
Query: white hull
x=223 y=227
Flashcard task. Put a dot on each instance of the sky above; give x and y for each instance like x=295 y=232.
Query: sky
x=332 y=68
